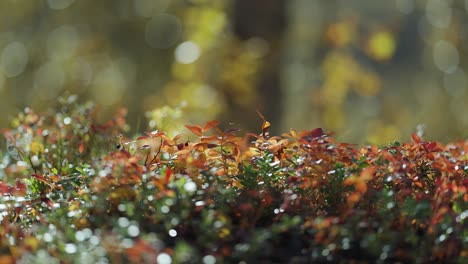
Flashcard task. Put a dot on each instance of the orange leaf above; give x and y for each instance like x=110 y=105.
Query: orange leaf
x=375 y=150
x=368 y=173
x=81 y=148
x=177 y=138
x=197 y=130
x=350 y=180
x=361 y=186
x=210 y=125
x=353 y=198
x=208 y=139
x=415 y=138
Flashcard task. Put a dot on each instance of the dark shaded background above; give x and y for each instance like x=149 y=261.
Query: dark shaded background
x=372 y=71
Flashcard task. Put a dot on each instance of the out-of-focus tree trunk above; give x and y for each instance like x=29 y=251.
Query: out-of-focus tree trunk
x=266 y=20
x=300 y=69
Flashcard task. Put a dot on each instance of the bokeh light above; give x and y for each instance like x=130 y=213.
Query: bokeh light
x=148 y=8
x=353 y=67
x=62 y=42
x=162 y=31
x=59 y=4
x=446 y=56
x=187 y=52
x=14 y=59
x=51 y=77
x=439 y=13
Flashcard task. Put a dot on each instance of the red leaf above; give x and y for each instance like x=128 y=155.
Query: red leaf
x=197 y=130
x=4 y=188
x=40 y=178
x=232 y=130
x=20 y=188
x=168 y=174
x=431 y=146
x=48 y=202
x=210 y=125
x=318 y=132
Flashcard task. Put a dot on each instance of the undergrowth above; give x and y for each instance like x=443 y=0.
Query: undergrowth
x=75 y=191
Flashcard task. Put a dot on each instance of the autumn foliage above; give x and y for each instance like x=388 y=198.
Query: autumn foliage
x=74 y=191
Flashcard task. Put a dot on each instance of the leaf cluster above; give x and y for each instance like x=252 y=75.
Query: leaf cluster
x=69 y=194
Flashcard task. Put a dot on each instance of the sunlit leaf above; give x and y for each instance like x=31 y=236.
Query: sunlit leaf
x=210 y=124
x=197 y=130
x=416 y=138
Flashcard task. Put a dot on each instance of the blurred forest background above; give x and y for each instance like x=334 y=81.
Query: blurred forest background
x=371 y=71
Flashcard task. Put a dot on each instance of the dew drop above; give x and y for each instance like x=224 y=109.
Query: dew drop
x=123 y=222
x=209 y=259
x=133 y=231
x=48 y=237
x=80 y=236
x=13 y=59
x=94 y=240
x=172 y=233
x=122 y=207
x=164 y=209
x=67 y=120
x=190 y=186
x=164 y=258
x=70 y=248
x=199 y=203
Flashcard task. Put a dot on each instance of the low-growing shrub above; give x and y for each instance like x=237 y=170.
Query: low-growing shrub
x=74 y=191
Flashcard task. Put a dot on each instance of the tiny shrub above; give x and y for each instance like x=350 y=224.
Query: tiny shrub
x=73 y=191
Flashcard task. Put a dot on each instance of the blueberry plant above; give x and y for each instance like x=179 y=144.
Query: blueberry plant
x=74 y=191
